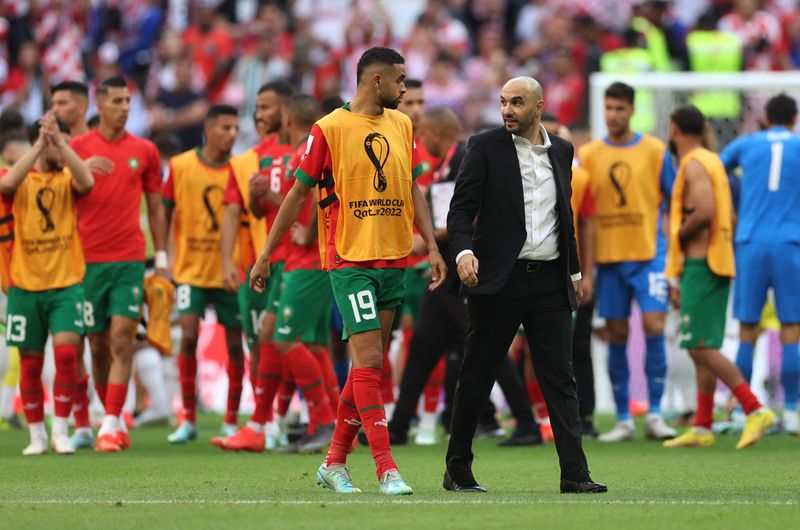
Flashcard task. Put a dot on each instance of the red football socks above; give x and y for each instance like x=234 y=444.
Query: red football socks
x=387 y=383
x=101 y=393
x=433 y=389
x=30 y=388
x=66 y=377
x=347 y=424
x=704 y=416
x=285 y=395
x=115 y=398
x=367 y=394
x=268 y=379
x=187 y=367
x=329 y=375
x=235 y=374
x=537 y=400
x=308 y=376
x=746 y=398
x=80 y=403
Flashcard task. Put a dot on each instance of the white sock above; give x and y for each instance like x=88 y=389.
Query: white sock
x=37 y=430
x=701 y=430
x=7 y=401
x=273 y=429
x=60 y=426
x=257 y=427
x=110 y=425
x=84 y=431
x=389 y=410
x=428 y=421
x=123 y=427
x=148 y=365
x=652 y=416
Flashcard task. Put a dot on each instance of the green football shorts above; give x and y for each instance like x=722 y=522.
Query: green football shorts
x=304 y=314
x=32 y=315
x=193 y=300
x=112 y=289
x=362 y=293
x=704 y=303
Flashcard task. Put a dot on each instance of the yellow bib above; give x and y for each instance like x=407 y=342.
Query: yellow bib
x=580 y=184
x=720 y=245
x=198 y=189
x=371 y=165
x=625 y=186
x=244 y=167
x=47 y=252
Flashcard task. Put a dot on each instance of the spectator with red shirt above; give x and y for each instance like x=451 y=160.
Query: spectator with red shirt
x=565 y=90
x=211 y=48
x=759 y=31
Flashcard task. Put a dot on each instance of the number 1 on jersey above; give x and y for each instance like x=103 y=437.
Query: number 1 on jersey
x=775 y=166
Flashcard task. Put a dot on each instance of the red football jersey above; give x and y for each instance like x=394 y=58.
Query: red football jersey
x=304 y=257
x=273 y=158
x=108 y=217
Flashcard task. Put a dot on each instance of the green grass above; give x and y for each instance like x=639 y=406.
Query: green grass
x=155 y=485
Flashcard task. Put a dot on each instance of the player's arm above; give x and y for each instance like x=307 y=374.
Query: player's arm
x=159 y=213
x=305 y=235
x=231 y=220
x=423 y=222
x=11 y=180
x=698 y=202
x=261 y=195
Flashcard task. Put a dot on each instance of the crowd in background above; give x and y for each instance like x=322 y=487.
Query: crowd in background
x=183 y=55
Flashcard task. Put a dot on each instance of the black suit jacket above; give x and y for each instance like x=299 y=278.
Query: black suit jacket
x=489 y=187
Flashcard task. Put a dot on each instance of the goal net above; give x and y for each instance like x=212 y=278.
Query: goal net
x=733 y=102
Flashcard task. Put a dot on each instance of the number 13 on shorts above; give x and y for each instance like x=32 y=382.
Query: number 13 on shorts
x=363 y=306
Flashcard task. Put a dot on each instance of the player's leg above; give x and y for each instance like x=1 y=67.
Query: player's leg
x=700 y=435
x=749 y=296
x=652 y=295
x=66 y=324
x=227 y=308
x=191 y=302
x=615 y=296
x=97 y=284
x=26 y=329
x=787 y=304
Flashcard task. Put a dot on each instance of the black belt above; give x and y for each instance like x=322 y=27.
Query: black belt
x=536 y=266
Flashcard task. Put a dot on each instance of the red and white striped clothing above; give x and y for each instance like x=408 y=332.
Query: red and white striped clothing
x=762 y=25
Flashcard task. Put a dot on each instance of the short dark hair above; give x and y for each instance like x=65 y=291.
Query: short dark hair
x=215 y=111
x=14 y=135
x=33 y=132
x=689 y=120
x=168 y=144
x=330 y=104
x=413 y=83
x=377 y=55
x=279 y=86
x=76 y=88
x=11 y=118
x=781 y=110
x=303 y=109
x=116 y=81
x=619 y=90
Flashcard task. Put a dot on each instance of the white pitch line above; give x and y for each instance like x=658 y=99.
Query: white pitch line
x=433 y=502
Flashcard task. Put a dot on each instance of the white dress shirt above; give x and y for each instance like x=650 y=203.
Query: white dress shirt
x=539 y=197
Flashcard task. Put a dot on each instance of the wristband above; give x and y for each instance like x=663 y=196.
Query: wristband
x=161 y=259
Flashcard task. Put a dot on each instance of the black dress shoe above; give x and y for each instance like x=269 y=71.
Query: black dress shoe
x=450 y=485
x=522 y=439
x=588 y=486
x=397 y=438
x=588 y=429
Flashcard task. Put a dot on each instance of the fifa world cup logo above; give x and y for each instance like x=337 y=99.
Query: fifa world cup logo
x=620 y=176
x=377 y=148
x=212 y=200
x=44 y=202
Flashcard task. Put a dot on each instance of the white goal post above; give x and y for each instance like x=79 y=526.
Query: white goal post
x=674 y=88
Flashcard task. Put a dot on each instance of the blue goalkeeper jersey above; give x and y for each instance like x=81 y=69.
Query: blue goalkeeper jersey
x=769 y=200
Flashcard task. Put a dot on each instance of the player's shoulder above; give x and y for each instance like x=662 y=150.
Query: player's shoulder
x=590 y=148
x=653 y=143
x=184 y=160
x=488 y=136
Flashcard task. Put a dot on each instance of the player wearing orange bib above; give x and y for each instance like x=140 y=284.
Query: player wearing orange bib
x=363 y=158
x=47 y=267
x=304 y=314
x=126 y=169
x=701 y=256
x=193 y=192
x=631 y=178
x=258 y=175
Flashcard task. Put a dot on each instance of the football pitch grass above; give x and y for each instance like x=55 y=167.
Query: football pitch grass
x=155 y=485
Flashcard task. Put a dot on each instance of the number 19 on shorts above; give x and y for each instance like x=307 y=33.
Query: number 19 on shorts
x=363 y=305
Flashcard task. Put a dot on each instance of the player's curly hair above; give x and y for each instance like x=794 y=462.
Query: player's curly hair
x=781 y=110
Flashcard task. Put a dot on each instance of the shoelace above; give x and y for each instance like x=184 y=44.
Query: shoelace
x=342 y=473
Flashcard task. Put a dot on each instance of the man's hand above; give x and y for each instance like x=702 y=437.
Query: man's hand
x=578 y=285
x=468 y=270
x=100 y=165
x=300 y=235
x=438 y=269
x=230 y=276
x=259 y=185
x=259 y=274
